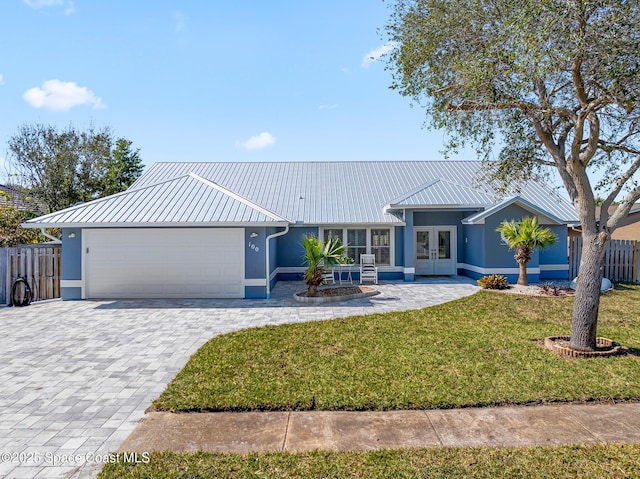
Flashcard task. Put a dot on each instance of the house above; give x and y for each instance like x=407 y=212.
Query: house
x=232 y=230
x=629 y=228
x=20 y=199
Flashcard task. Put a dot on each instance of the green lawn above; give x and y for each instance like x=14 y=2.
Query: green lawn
x=480 y=350
x=587 y=461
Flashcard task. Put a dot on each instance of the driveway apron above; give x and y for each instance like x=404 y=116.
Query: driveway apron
x=77 y=376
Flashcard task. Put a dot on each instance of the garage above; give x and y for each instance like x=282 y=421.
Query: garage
x=164 y=263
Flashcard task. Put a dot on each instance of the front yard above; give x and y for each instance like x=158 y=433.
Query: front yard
x=480 y=350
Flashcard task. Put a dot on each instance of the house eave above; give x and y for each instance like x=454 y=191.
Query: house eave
x=159 y=225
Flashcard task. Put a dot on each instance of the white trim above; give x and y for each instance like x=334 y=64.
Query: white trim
x=83 y=264
x=301 y=269
x=71 y=283
x=554 y=267
x=210 y=224
x=367 y=227
x=289 y=269
x=478 y=269
x=409 y=271
x=255 y=282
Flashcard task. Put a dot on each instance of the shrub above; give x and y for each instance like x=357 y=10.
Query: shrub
x=495 y=281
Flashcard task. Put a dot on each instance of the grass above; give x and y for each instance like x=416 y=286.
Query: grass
x=477 y=351
x=583 y=461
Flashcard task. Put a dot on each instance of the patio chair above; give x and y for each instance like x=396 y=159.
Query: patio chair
x=328 y=277
x=368 y=268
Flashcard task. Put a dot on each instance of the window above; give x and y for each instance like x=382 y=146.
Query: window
x=359 y=241
x=333 y=233
x=381 y=245
x=356 y=244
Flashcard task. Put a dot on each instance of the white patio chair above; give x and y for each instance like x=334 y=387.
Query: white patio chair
x=328 y=277
x=368 y=268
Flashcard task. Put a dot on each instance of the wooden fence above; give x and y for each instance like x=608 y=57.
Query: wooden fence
x=622 y=262
x=38 y=264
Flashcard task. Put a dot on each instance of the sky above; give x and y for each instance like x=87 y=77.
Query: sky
x=197 y=80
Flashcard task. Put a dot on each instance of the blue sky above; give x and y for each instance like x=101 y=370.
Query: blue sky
x=196 y=80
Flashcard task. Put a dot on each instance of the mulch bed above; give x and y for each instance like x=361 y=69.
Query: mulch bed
x=340 y=291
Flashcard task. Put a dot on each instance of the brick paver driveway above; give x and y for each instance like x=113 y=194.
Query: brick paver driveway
x=76 y=377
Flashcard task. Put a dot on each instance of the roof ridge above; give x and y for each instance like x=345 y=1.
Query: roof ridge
x=415 y=190
x=240 y=198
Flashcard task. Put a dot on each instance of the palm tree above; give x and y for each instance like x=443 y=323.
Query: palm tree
x=525 y=236
x=318 y=255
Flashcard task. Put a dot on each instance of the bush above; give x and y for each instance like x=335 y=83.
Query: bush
x=495 y=281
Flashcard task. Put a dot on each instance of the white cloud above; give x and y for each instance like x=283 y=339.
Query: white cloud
x=257 y=142
x=38 y=4
x=375 y=55
x=1 y=79
x=61 y=96
x=328 y=107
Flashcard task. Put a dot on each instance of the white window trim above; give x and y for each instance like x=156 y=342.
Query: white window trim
x=368 y=228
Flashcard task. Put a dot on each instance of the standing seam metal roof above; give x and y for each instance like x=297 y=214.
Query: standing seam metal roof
x=187 y=199
x=314 y=193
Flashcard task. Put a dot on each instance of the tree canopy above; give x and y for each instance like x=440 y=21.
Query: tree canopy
x=64 y=167
x=534 y=84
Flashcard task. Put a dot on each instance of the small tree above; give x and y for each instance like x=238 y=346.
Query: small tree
x=11 y=231
x=317 y=255
x=123 y=168
x=524 y=237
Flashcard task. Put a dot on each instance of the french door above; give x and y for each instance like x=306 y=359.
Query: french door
x=435 y=250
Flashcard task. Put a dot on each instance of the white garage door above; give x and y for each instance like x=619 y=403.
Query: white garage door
x=164 y=263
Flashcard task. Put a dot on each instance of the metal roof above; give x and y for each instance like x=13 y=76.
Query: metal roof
x=443 y=193
x=313 y=193
x=186 y=200
x=479 y=218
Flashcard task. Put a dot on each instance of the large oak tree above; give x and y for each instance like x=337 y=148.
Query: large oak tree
x=544 y=83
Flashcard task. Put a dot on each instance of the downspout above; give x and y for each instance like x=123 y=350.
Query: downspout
x=47 y=235
x=268 y=272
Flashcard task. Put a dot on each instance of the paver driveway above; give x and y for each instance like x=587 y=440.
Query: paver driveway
x=76 y=377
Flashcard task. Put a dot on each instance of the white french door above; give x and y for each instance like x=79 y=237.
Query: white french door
x=435 y=250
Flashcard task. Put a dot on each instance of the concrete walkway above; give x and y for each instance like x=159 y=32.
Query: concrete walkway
x=76 y=377
x=328 y=430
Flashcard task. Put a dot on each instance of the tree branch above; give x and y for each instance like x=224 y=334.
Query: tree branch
x=620 y=184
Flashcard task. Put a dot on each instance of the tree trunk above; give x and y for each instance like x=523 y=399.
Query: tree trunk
x=313 y=290
x=522 y=277
x=587 y=300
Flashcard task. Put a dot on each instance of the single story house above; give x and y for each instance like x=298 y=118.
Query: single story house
x=232 y=230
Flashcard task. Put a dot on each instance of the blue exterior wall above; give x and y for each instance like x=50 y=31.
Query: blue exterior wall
x=71 y=262
x=399 y=245
x=290 y=251
x=71 y=254
x=494 y=255
x=497 y=254
x=255 y=255
x=473 y=240
x=557 y=254
x=409 y=258
x=273 y=255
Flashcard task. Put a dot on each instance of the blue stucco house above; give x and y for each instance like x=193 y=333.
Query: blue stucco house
x=232 y=230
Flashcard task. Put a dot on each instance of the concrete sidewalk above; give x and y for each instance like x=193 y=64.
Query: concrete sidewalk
x=339 y=430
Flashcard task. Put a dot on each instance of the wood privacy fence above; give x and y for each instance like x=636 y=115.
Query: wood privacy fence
x=622 y=262
x=38 y=264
